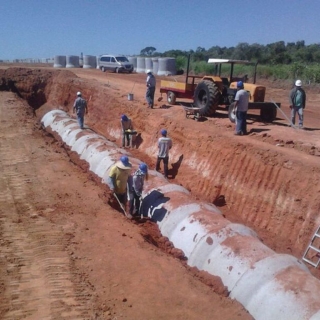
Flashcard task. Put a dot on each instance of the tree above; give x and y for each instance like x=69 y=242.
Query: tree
x=147 y=51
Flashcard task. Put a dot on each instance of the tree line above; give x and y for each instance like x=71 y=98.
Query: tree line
x=278 y=60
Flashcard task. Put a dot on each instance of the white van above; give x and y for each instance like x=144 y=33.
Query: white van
x=115 y=63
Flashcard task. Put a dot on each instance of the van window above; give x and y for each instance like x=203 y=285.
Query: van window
x=105 y=59
x=113 y=59
x=122 y=59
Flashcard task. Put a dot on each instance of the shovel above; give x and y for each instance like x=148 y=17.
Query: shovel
x=128 y=215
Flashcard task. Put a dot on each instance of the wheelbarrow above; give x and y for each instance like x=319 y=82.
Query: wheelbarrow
x=192 y=112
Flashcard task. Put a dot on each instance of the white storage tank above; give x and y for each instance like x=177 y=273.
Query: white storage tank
x=155 y=65
x=97 y=62
x=133 y=60
x=59 y=62
x=148 y=64
x=89 y=62
x=167 y=66
x=73 y=62
x=141 y=65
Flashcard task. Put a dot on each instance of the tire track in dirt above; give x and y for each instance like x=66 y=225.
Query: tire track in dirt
x=36 y=281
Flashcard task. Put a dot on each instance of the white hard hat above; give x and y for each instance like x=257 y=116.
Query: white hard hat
x=149 y=71
x=78 y=93
x=298 y=83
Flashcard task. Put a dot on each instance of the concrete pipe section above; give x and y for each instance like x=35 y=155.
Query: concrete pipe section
x=267 y=284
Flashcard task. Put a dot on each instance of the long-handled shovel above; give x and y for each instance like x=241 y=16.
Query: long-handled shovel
x=128 y=215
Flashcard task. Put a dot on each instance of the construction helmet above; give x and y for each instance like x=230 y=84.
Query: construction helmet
x=163 y=132
x=124 y=117
x=149 y=71
x=78 y=93
x=143 y=167
x=239 y=84
x=125 y=160
x=298 y=83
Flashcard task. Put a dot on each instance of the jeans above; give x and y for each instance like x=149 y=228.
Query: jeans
x=134 y=203
x=299 y=111
x=241 y=122
x=80 y=118
x=165 y=165
x=150 y=96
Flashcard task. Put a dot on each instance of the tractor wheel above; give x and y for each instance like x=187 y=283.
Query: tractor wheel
x=268 y=114
x=231 y=114
x=171 y=97
x=206 y=97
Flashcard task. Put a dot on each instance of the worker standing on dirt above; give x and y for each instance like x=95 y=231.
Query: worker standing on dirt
x=118 y=179
x=135 y=188
x=297 y=100
x=164 y=145
x=151 y=88
x=241 y=109
x=126 y=126
x=81 y=108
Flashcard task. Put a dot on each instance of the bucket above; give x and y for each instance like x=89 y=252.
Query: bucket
x=130 y=96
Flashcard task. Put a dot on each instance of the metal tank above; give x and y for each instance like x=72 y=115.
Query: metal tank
x=73 y=62
x=167 y=67
x=267 y=284
x=59 y=62
x=89 y=62
x=141 y=65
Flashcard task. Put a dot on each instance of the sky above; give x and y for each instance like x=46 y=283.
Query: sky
x=39 y=29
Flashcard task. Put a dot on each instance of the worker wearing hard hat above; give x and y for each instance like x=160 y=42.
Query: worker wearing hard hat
x=241 y=101
x=297 y=100
x=151 y=88
x=81 y=108
x=164 y=145
x=135 y=188
x=126 y=128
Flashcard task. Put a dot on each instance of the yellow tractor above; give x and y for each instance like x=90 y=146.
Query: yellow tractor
x=212 y=92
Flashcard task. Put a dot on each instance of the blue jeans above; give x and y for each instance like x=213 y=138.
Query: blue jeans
x=299 y=111
x=241 y=122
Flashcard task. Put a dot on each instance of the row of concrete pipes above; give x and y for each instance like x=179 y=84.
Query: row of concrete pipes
x=267 y=284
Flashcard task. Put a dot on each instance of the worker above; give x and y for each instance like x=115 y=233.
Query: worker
x=151 y=88
x=81 y=108
x=126 y=127
x=241 y=108
x=164 y=145
x=297 y=100
x=118 y=179
x=135 y=188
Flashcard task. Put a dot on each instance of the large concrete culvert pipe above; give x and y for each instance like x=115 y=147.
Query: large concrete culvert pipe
x=267 y=284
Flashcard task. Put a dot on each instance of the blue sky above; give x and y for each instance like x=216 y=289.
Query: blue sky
x=43 y=29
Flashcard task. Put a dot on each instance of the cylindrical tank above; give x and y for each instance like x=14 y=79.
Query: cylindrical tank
x=148 y=64
x=59 y=62
x=167 y=66
x=97 y=62
x=155 y=65
x=73 y=62
x=141 y=65
x=89 y=62
x=133 y=60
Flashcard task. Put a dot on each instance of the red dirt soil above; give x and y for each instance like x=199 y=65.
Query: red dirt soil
x=113 y=268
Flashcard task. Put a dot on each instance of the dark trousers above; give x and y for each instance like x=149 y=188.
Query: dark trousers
x=165 y=165
x=134 y=204
x=125 y=136
x=150 y=96
x=241 y=122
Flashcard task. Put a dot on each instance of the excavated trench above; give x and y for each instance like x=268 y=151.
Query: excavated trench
x=270 y=203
